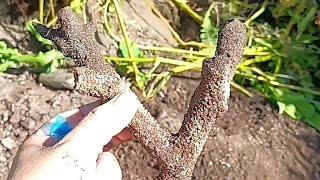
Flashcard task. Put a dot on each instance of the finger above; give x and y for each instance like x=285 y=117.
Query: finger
x=100 y=125
x=115 y=142
x=122 y=137
x=108 y=167
x=41 y=137
x=125 y=135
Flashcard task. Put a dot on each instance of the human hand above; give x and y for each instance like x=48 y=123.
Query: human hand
x=83 y=152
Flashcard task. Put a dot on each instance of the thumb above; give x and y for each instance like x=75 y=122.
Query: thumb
x=108 y=167
x=101 y=124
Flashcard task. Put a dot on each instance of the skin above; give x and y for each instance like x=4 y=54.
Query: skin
x=82 y=153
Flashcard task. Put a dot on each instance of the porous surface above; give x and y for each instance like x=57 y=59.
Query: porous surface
x=176 y=153
x=251 y=141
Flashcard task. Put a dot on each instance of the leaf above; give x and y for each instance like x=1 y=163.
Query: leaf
x=294 y=104
x=77 y=5
x=290 y=109
x=12 y=58
x=29 y=26
x=7 y=65
x=209 y=31
x=305 y=57
x=134 y=48
x=307 y=20
x=317 y=104
x=314 y=121
x=307 y=39
x=282 y=107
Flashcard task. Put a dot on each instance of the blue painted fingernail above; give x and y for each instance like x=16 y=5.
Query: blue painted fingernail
x=60 y=127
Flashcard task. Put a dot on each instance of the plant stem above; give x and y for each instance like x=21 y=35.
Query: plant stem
x=182 y=4
x=257 y=59
x=41 y=11
x=245 y=5
x=106 y=22
x=53 y=14
x=242 y=89
x=256 y=51
x=257 y=14
x=52 y=22
x=289 y=86
x=261 y=73
x=154 y=59
x=174 y=50
x=275 y=83
x=125 y=36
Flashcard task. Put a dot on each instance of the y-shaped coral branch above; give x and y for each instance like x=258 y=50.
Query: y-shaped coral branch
x=176 y=153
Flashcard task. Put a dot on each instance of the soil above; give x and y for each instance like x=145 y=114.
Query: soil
x=251 y=141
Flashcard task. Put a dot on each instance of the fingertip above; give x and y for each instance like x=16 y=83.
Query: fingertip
x=108 y=166
x=105 y=121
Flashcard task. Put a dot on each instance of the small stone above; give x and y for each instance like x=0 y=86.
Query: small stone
x=2 y=134
x=35 y=116
x=3 y=158
x=17 y=131
x=210 y=163
x=5 y=116
x=8 y=142
x=15 y=118
x=14 y=151
x=23 y=135
x=58 y=80
x=28 y=124
x=8 y=155
x=7 y=133
x=8 y=127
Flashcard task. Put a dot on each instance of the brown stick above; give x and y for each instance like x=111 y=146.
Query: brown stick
x=177 y=153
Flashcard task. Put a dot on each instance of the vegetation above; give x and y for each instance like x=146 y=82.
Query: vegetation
x=281 y=59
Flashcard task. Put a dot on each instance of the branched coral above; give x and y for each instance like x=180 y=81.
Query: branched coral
x=176 y=153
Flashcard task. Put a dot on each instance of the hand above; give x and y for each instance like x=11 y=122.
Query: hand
x=83 y=152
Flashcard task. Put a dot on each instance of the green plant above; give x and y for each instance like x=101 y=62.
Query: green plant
x=286 y=69
x=12 y=58
x=280 y=60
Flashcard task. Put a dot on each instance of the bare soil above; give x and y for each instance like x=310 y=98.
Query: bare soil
x=251 y=141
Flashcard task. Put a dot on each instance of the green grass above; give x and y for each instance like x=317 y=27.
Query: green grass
x=281 y=59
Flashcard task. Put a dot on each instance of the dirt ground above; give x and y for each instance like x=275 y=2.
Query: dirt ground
x=251 y=141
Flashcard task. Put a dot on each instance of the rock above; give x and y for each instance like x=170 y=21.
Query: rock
x=8 y=142
x=28 y=124
x=8 y=127
x=58 y=80
x=35 y=116
x=3 y=158
x=5 y=116
x=2 y=134
x=15 y=118
x=23 y=135
x=13 y=151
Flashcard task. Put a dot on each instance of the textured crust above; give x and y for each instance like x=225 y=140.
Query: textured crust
x=176 y=153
